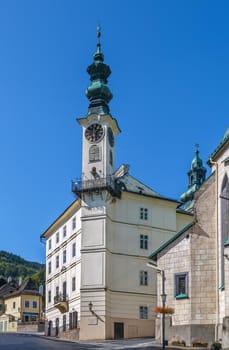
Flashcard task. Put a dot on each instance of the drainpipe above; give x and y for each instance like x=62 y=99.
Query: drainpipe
x=217 y=251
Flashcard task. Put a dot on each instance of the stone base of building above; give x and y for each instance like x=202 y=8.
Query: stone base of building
x=187 y=333
x=115 y=328
x=93 y=328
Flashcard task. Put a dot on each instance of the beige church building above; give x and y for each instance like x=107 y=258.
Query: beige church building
x=97 y=283
x=195 y=261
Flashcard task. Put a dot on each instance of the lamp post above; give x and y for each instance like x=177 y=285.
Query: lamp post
x=163 y=298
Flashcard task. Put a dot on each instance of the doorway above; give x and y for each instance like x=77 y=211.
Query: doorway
x=118 y=330
x=50 y=328
x=57 y=327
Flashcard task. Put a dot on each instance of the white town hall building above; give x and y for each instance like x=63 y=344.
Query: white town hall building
x=97 y=283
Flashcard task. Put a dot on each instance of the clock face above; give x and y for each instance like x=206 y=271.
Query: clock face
x=94 y=133
x=110 y=137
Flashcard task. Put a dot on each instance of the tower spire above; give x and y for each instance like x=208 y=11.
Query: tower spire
x=196 y=176
x=98 y=34
x=98 y=93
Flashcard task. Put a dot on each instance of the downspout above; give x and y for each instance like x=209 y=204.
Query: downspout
x=217 y=251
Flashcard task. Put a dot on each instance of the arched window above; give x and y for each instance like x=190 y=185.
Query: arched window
x=94 y=154
x=224 y=196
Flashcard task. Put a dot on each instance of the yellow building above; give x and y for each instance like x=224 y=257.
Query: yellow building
x=20 y=305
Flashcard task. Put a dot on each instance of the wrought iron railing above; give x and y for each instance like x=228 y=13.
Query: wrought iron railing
x=87 y=185
x=60 y=297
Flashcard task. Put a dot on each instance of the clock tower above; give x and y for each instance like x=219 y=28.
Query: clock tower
x=99 y=127
x=97 y=190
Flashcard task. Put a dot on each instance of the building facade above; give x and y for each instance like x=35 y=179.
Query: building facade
x=97 y=282
x=20 y=306
x=195 y=260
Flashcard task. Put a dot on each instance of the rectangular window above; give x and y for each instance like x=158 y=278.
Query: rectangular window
x=64 y=290
x=143 y=312
x=73 y=319
x=57 y=237
x=181 y=285
x=73 y=223
x=49 y=267
x=73 y=249
x=64 y=323
x=143 y=278
x=64 y=256
x=70 y=321
x=14 y=305
x=144 y=241
x=57 y=290
x=73 y=284
x=57 y=261
x=64 y=231
x=34 y=304
x=143 y=213
x=27 y=303
x=50 y=244
x=49 y=296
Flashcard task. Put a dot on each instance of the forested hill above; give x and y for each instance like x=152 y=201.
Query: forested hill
x=14 y=266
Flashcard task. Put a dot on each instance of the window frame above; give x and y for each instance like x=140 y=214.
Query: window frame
x=177 y=279
x=73 y=284
x=143 y=312
x=50 y=244
x=49 y=296
x=143 y=278
x=144 y=213
x=64 y=231
x=64 y=256
x=57 y=261
x=144 y=241
x=74 y=223
x=49 y=267
x=64 y=323
x=94 y=154
x=73 y=249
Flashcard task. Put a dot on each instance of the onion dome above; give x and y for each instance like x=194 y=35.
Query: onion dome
x=98 y=92
x=197 y=161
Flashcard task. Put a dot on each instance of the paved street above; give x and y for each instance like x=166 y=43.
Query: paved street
x=33 y=342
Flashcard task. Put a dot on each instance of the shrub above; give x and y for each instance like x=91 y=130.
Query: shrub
x=178 y=343
x=216 y=345
x=199 y=343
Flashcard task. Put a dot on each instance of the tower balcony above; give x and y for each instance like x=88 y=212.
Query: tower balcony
x=61 y=302
x=95 y=185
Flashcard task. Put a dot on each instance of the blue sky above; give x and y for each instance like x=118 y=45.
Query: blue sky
x=169 y=62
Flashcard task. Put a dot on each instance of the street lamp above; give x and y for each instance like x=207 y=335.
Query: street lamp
x=163 y=298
